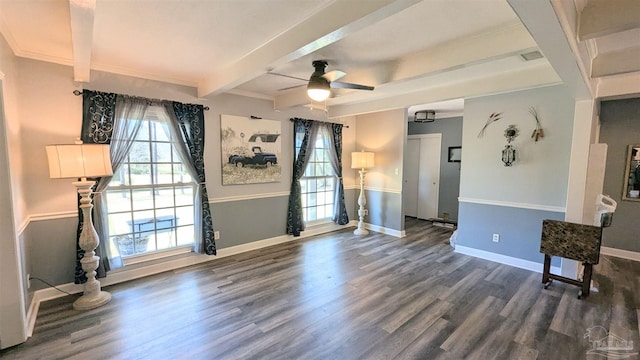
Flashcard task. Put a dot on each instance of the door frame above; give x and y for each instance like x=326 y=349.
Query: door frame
x=13 y=327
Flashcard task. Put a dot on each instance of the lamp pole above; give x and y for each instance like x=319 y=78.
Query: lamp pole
x=93 y=296
x=362 y=201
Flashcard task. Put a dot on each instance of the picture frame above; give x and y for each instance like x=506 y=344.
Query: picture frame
x=250 y=150
x=631 y=187
x=455 y=153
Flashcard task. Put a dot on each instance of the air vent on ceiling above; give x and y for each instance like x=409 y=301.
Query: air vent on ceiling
x=424 y=116
x=532 y=55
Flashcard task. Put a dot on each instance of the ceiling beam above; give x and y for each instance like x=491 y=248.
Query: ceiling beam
x=330 y=24
x=604 y=17
x=490 y=45
x=82 y=15
x=616 y=62
x=494 y=44
x=530 y=77
x=560 y=48
x=619 y=87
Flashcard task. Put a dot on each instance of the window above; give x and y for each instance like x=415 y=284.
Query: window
x=318 y=182
x=150 y=198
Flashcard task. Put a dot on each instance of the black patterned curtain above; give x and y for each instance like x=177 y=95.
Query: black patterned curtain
x=340 y=216
x=98 y=110
x=190 y=119
x=304 y=135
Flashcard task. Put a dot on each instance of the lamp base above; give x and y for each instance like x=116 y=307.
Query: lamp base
x=88 y=302
x=360 y=231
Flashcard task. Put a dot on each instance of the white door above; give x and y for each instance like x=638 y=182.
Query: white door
x=422 y=176
x=429 y=176
x=410 y=187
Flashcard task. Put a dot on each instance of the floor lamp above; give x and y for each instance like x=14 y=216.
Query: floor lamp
x=362 y=160
x=84 y=161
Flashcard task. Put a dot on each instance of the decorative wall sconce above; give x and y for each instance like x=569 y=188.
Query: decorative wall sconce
x=509 y=152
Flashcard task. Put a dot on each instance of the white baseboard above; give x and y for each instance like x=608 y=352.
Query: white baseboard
x=625 y=254
x=119 y=276
x=381 y=229
x=504 y=259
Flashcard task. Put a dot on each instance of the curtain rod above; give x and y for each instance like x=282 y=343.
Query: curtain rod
x=78 y=93
x=328 y=122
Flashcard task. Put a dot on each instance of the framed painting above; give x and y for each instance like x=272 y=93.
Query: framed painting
x=250 y=150
x=455 y=153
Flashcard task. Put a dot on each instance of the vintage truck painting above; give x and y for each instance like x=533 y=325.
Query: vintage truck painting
x=258 y=158
x=251 y=150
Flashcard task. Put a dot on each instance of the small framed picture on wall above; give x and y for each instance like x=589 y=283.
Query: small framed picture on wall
x=455 y=153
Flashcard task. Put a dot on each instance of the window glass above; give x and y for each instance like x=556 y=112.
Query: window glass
x=318 y=182
x=150 y=198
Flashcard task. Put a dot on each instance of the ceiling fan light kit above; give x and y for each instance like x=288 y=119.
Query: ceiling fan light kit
x=320 y=83
x=318 y=88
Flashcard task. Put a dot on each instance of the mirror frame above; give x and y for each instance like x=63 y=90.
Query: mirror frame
x=628 y=164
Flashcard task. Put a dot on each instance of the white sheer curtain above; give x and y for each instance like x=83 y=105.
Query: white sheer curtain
x=129 y=113
x=180 y=146
x=333 y=141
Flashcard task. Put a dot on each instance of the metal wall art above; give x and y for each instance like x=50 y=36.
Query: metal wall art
x=509 y=152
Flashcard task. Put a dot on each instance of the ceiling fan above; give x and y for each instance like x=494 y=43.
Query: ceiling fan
x=320 y=83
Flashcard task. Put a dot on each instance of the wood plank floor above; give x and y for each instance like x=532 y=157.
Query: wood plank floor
x=339 y=296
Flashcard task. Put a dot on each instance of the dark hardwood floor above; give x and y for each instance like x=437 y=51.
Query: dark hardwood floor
x=339 y=296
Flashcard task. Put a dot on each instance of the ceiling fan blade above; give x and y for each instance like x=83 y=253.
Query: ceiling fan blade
x=292 y=87
x=287 y=76
x=343 y=85
x=334 y=75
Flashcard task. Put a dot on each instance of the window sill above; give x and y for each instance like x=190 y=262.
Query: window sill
x=317 y=223
x=156 y=255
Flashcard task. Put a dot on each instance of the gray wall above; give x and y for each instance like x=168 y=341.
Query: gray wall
x=520 y=227
x=245 y=221
x=52 y=251
x=451 y=130
x=385 y=209
x=620 y=127
x=513 y=201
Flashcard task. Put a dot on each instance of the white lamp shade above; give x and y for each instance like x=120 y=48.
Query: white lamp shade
x=362 y=160
x=78 y=161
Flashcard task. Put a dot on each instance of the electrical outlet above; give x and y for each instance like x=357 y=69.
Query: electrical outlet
x=496 y=237
x=28 y=281
x=216 y=235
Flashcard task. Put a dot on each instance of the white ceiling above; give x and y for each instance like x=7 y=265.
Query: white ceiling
x=217 y=46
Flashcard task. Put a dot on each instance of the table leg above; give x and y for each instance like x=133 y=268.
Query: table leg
x=586 y=279
x=546 y=270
